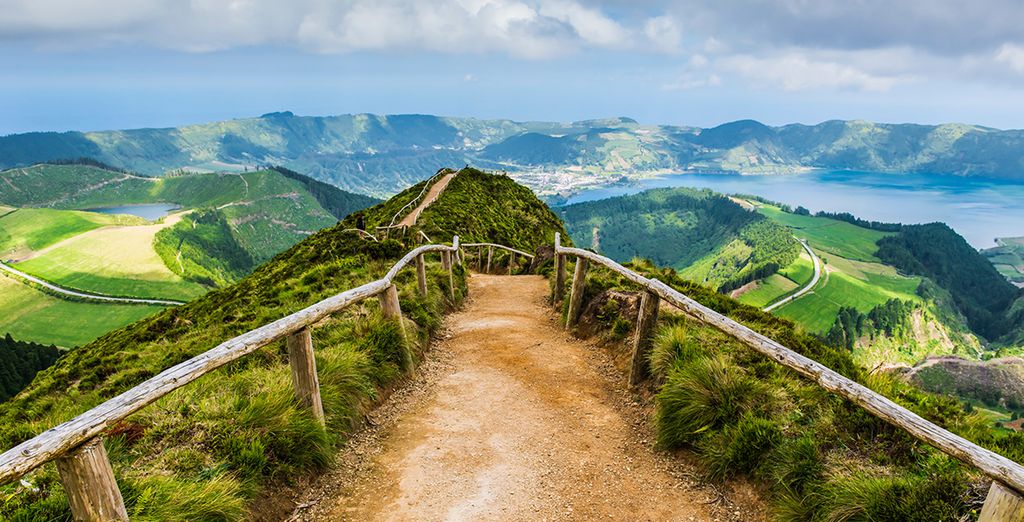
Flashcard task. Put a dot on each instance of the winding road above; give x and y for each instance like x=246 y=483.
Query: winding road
x=810 y=286
x=74 y=293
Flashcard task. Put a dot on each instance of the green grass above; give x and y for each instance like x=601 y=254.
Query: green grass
x=848 y=283
x=800 y=271
x=117 y=261
x=815 y=456
x=212 y=446
x=29 y=229
x=830 y=235
x=768 y=290
x=31 y=315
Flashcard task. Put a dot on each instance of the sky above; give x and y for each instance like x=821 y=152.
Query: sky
x=113 y=64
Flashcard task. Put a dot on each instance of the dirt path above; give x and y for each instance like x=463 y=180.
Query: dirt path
x=513 y=420
x=432 y=194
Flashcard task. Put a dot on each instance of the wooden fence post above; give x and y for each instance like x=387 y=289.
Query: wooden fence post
x=89 y=483
x=1002 y=505
x=389 y=303
x=421 y=274
x=451 y=274
x=511 y=261
x=559 y=271
x=446 y=260
x=490 y=257
x=579 y=284
x=303 y=364
x=646 y=319
x=480 y=258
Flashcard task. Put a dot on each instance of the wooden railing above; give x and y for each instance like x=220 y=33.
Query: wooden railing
x=1004 y=501
x=77 y=445
x=412 y=202
x=490 y=255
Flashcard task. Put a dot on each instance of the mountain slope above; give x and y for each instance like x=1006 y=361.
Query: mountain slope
x=381 y=154
x=706 y=236
x=202 y=452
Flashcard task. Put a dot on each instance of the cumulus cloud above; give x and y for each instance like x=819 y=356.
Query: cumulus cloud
x=522 y=28
x=796 y=72
x=1012 y=56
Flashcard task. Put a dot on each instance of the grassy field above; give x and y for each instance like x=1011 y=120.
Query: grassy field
x=787 y=281
x=28 y=314
x=26 y=230
x=856 y=284
x=768 y=290
x=115 y=261
x=829 y=235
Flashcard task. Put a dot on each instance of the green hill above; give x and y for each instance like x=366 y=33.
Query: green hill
x=703 y=234
x=381 y=154
x=226 y=225
x=205 y=450
x=1008 y=258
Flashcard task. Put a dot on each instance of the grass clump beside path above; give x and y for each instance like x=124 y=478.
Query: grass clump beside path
x=815 y=456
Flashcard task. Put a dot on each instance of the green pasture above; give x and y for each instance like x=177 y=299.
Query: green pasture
x=830 y=235
x=29 y=229
x=31 y=315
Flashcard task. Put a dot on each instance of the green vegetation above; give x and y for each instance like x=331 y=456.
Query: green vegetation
x=203 y=451
x=891 y=318
x=481 y=207
x=241 y=220
x=202 y=248
x=830 y=235
x=711 y=238
x=19 y=363
x=378 y=155
x=28 y=313
x=118 y=261
x=983 y=295
x=768 y=290
x=1008 y=258
x=817 y=457
x=23 y=231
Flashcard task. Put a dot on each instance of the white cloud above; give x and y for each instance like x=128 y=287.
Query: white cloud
x=593 y=26
x=796 y=71
x=663 y=34
x=1012 y=56
x=522 y=28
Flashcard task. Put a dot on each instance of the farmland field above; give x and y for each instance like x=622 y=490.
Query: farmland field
x=848 y=283
x=117 y=261
x=26 y=230
x=27 y=313
x=830 y=235
x=776 y=286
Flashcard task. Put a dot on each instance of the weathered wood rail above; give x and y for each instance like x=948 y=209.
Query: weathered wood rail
x=490 y=255
x=1004 y=501
x=77 y=445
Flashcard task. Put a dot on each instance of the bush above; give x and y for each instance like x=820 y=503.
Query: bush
x=704 y=394
x=741 y=448
x=671 y=344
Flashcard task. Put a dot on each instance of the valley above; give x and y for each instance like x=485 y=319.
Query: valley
x=71 y=225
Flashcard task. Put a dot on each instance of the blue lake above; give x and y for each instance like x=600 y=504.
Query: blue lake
x=150 y=211
x=979 y=209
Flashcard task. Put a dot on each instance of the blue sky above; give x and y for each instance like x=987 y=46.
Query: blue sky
x=105 y=64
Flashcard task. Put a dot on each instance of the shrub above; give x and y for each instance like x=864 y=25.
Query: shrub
x=740 y=448
x=672 y=343
x=706 y=393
